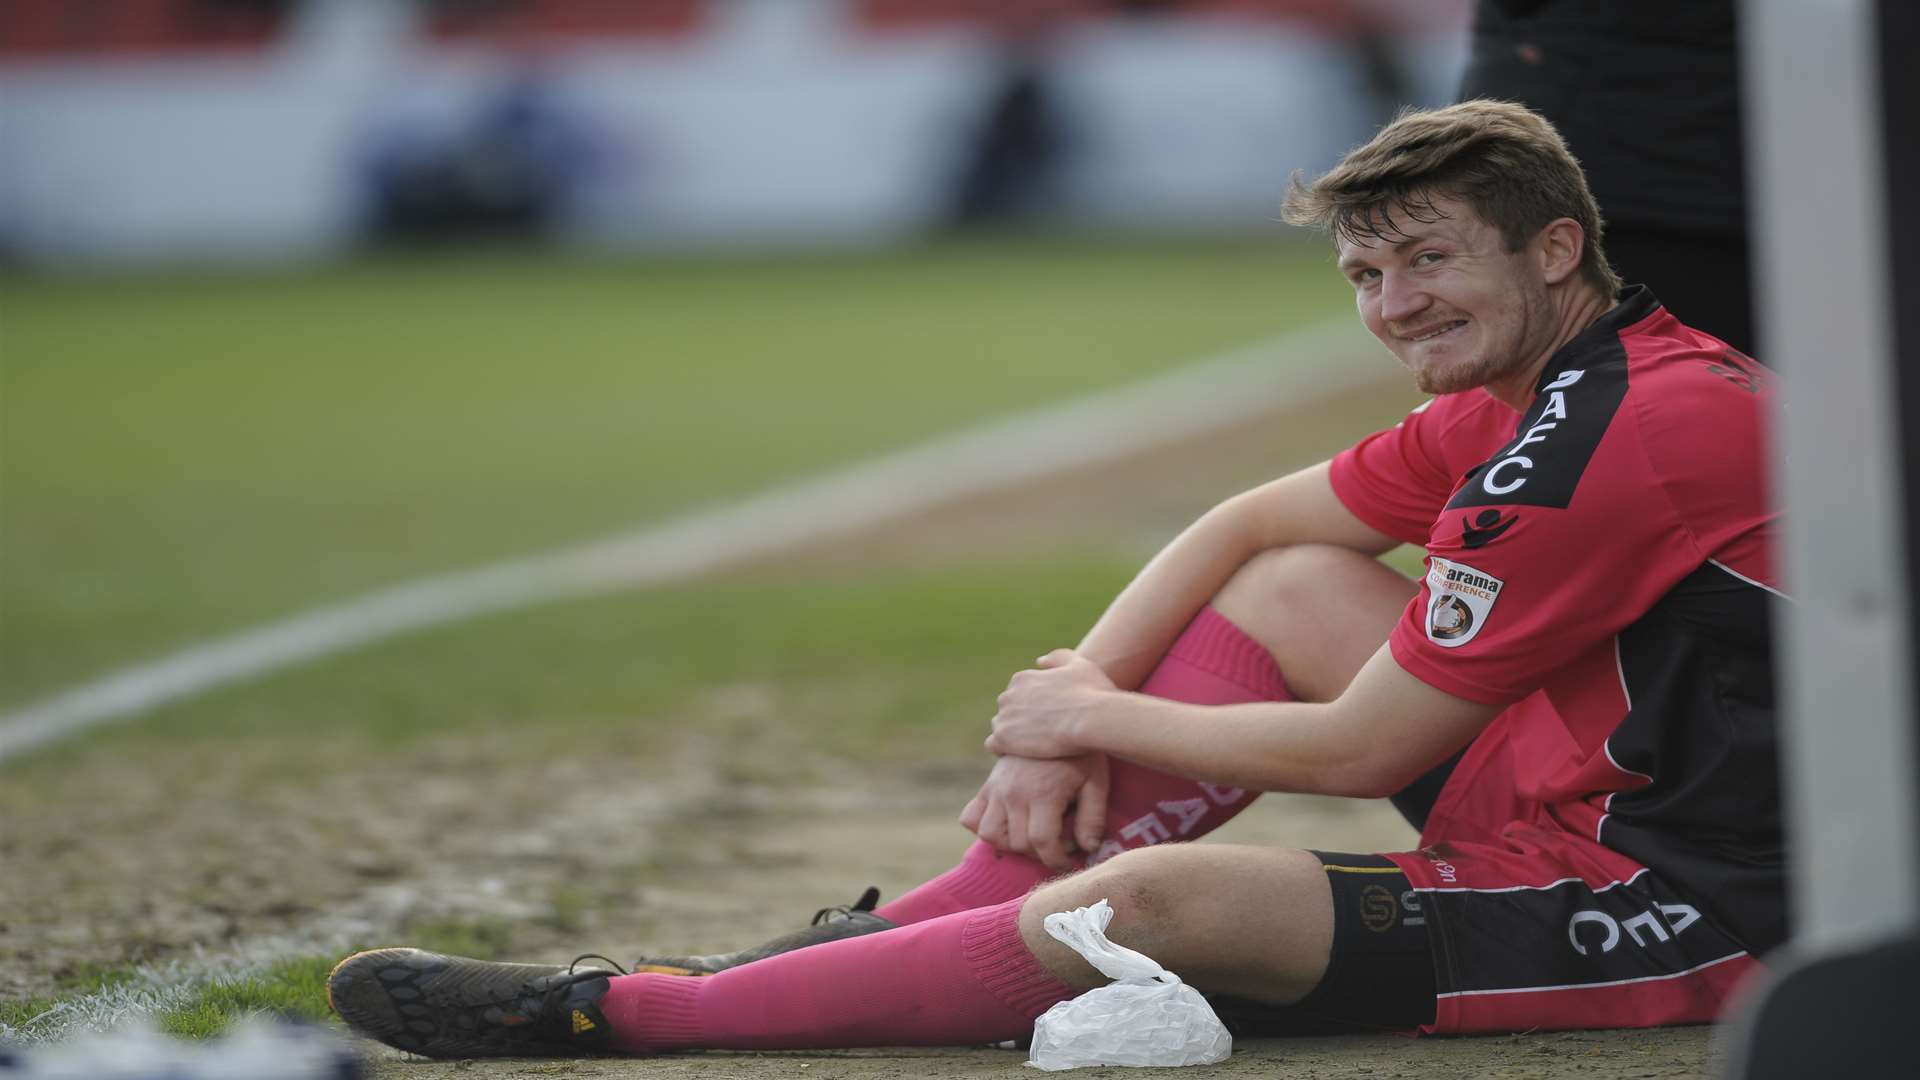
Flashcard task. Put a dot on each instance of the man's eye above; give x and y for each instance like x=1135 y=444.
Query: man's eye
x=1426 y=258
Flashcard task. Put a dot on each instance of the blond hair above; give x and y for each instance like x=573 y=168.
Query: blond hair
x=1503 y=160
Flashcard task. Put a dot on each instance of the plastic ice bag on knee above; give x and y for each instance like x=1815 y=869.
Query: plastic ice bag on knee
x=1146 y=1016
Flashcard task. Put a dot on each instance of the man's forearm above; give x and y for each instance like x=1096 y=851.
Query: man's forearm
x=1382 y=733
x=1265 y=746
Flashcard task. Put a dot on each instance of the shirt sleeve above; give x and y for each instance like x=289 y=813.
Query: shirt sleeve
x=1397 y=480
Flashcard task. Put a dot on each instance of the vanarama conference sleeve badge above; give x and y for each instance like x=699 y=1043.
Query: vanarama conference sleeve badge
x=1459 y=600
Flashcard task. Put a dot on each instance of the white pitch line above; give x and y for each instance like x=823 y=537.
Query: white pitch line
x=1287 y=370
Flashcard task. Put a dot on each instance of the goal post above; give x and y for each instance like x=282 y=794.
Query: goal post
x=1832 y=108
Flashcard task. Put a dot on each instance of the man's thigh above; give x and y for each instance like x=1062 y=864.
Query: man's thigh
x=1321 y=611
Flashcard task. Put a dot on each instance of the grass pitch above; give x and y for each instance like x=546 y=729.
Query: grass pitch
x=186 y=456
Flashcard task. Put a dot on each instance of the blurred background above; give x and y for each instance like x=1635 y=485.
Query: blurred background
x=301 y=298
x=276 y=131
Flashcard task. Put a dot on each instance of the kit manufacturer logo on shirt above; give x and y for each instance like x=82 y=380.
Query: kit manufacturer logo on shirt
x=1459 y=600
x=1485 y=529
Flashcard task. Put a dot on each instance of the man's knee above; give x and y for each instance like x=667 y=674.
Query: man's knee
x=1302 y=573
x=1138 y=883
x=1320 y=610
x=1255 y=921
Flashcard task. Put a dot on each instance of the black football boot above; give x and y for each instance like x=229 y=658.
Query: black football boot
x=453 y=1007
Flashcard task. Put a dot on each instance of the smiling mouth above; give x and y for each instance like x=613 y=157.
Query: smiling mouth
x=1429 y=335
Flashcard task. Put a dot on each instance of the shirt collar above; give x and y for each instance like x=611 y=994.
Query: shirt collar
x=1634 y=303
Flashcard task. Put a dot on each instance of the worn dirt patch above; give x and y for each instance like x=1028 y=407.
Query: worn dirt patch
x=1643 y=1055
x=821 y=844
x=650 y=867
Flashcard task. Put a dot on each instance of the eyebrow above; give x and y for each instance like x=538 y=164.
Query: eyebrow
x=1348 y=262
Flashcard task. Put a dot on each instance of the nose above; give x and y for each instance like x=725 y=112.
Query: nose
x=1401 y=298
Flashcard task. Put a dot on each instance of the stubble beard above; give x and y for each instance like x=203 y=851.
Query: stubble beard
x=1478 y=372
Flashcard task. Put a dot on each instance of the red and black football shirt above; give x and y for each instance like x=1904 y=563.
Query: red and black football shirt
x=1602 y=564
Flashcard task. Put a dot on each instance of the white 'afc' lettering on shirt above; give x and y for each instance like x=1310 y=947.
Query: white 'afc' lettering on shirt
x=1509 y=474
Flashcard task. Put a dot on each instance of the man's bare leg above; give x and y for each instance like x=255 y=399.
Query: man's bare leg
x=1261 y=928
x=1320 y=611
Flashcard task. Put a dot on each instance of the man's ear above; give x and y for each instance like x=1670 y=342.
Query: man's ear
x=1559 y=247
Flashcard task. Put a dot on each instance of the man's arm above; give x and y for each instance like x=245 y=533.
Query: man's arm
x=1021 y=805
x=1374 y=739
x=1140 y=625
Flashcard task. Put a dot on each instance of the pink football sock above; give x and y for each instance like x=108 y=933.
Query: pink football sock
x=984 y=876
x=1213 y=662
x=959 y=980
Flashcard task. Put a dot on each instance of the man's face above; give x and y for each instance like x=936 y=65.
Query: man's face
x=1449 y=300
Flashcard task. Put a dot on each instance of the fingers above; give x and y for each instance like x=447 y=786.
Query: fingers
x=1056 y=658
x=993 y=825
x=971 y=813
x=1090 y=810
x=1017 y=838
x=1044 y=835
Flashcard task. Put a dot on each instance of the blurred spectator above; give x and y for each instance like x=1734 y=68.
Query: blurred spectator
x=1648 y=97
x=506 y=174
x=1008 y=172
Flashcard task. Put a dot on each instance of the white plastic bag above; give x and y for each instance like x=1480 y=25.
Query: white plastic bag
x=1145 y=1017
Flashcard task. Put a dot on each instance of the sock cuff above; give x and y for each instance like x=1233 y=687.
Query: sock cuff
x=662 y=1015
x=1212 y=643
x=1005 y=966
x=983 y=869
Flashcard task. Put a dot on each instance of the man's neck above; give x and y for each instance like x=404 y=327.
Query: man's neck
x=1575 y=309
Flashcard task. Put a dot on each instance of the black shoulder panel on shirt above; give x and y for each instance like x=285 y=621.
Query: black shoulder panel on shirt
x=1558 y=434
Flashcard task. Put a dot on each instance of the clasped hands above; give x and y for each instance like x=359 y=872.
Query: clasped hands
x=1042 y=769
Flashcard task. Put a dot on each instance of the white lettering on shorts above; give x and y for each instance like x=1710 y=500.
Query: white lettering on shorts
x=1661 y=926
x=1447 y=871
x=1187 y=813
x=1223 y=796
x=1148 y=829
x=1459 y=600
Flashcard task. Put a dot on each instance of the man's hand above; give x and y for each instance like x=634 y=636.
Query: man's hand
x=1041 y=708
x=1021 y=806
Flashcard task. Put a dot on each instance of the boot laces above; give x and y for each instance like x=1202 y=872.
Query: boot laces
x=867 y=902
x=594 y=956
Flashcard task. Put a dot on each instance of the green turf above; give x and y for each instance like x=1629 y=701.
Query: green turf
x=295 y=988
x=909 y=659
x=15 y=1014
x=182 y=456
